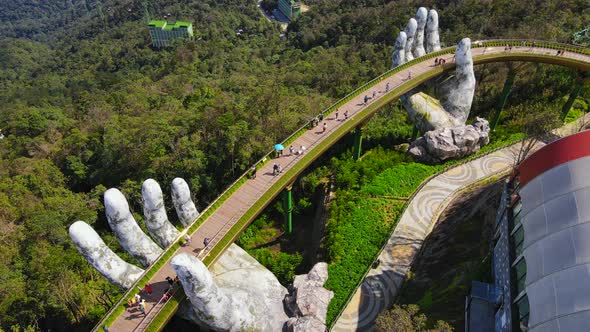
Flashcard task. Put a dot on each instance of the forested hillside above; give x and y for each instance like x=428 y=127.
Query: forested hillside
x=87 y=104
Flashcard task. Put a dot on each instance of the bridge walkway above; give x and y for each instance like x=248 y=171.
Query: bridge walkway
x=242 y=199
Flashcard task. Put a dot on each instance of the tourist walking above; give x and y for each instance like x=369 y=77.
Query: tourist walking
x=142 y=307
x=253 y=172
x=301 y=150
x=187 y=239
x=366 y=99
x=346 y=115
x=275 y=169
x=148 y=288
x=324 y=127
x=170 y=281
x=336 y=115
x=291 y=150
x=409 y=75
x=206 y=242
x=436 y=62
x=374 y=94
x=387 y=87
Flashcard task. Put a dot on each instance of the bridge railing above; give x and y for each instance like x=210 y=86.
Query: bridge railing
x=119 y=307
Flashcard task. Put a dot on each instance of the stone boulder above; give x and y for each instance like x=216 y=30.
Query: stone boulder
x=308 y=300
x=451 y=143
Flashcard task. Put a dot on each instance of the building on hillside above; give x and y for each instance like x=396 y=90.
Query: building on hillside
x=541 y=253
x=163 y=32
x=290 y=8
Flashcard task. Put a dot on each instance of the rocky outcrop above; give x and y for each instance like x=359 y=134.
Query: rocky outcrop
x=128 y=233
x=183 y=203
x=156 y=219
x=451 y=143
x=308 y=300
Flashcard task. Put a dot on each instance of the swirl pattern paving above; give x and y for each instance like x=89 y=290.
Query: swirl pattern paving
x=379 y=288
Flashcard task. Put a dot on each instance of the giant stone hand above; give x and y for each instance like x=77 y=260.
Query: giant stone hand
x=426 y=112
x=128 y=233
x=238 y=293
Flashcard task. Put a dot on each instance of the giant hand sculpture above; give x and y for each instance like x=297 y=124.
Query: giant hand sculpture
x=242 y=296
x=426 y=112
x=442 y=121
x=128 y=233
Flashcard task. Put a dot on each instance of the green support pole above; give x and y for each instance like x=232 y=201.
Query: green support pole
x=414 y=133
x=358 y=142
x=288 y=209
x=505 y=93
x=570 y=101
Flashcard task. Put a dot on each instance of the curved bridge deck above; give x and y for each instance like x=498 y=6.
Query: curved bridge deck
x=248 y=197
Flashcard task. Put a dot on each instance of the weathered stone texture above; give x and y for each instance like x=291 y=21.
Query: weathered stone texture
x=154 y=211
x=128 y=233
x=451 y=143
x=93 y=248
x=184 y=205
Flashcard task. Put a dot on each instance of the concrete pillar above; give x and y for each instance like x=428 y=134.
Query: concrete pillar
x=504 y=97
x=288 y=209
x=570 y=101
x=358 y=142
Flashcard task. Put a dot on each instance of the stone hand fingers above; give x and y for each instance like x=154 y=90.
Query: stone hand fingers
x=156 y=219
x=93 y=248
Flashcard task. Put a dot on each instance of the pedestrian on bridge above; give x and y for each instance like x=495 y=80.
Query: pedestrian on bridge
x=148 y=288
x=206 y=242
x=324 y=127
x=387 y=87
x=291 y=150
x=366 y=99
x=374 y=94
x=301 y=150
x=346 y=113
x=170 y=281
x=142 y=307
x=409 y=75
x=336 y=114
x=253 y=172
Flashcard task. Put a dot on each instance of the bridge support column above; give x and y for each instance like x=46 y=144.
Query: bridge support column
x=288 y=209
x=358 y=142
x=504 y=97
x=570 y=100
x=415 y=133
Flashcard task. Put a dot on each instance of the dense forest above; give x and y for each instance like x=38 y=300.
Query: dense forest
x=87 y=104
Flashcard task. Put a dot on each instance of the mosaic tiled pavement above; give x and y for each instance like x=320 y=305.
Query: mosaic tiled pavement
x=381 y=285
